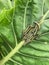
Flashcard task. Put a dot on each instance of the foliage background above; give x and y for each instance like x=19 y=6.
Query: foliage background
x=15 y=16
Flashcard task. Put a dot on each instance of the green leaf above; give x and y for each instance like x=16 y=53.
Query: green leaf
x=13 y=22
x=5 y=23
x=26 y=13
x=7 y=4
x=47 y=3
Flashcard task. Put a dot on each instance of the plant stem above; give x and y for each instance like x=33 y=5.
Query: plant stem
x=15 y=50
x=44 y=16
x=25 y=14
